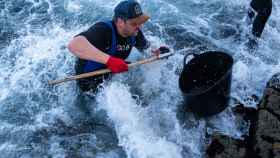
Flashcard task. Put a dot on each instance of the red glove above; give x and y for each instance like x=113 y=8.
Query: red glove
x=116 y=65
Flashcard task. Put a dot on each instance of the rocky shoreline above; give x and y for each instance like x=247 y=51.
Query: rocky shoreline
x=263 y=140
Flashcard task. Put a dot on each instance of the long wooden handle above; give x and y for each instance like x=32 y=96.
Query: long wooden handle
x=104 y=71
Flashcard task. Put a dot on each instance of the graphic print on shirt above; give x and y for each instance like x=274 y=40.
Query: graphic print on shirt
x=123 y=48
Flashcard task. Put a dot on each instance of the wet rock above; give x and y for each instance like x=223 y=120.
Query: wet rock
x=274 y=82
x=215 y=148
x=268 y=122
x=263 y=140
x=264 y=149
x=268 y=132
x=273 y=104
x=271 y=101
x=223 y=146
x=247 y=113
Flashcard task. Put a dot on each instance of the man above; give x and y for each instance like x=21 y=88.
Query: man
x=259 y=13
x=108 y=44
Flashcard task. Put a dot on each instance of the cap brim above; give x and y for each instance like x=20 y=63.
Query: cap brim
x=140 y=19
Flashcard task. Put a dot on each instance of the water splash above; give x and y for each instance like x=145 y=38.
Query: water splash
x=45 y=117
x=131 y=123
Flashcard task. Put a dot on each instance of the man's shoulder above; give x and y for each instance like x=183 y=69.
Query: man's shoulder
x=99 y=32
x=101 y=25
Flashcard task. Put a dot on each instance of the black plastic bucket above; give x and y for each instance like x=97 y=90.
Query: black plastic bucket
x=206 y=82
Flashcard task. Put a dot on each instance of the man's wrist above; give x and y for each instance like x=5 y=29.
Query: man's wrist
x=100 y=57
x=106 y=58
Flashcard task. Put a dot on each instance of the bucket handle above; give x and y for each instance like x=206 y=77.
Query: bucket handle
x=185 y=58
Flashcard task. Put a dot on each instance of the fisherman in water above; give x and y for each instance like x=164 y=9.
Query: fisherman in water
x=107 y=44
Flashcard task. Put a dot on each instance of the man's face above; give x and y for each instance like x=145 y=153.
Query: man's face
x=131 y=28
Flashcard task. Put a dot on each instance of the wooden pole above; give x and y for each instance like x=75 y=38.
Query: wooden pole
x=104 y=71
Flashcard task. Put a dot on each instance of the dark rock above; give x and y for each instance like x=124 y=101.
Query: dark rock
x=267 y=133
x=239 y=109
x=264 y=149
x=268 y=124
x=225 y=147
x=263 y=140
x=215 y=148
x=273 y=103
x=247 y=113
x=274 y=82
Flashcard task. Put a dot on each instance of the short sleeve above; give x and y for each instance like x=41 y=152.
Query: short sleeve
x=99 y=35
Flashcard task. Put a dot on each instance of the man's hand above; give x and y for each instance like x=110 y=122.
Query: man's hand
x=161 y=50
x=116 y=65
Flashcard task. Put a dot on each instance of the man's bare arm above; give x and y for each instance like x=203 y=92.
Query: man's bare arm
x=82 y=48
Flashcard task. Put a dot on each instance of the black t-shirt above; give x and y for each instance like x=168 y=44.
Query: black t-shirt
x=100 y=35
